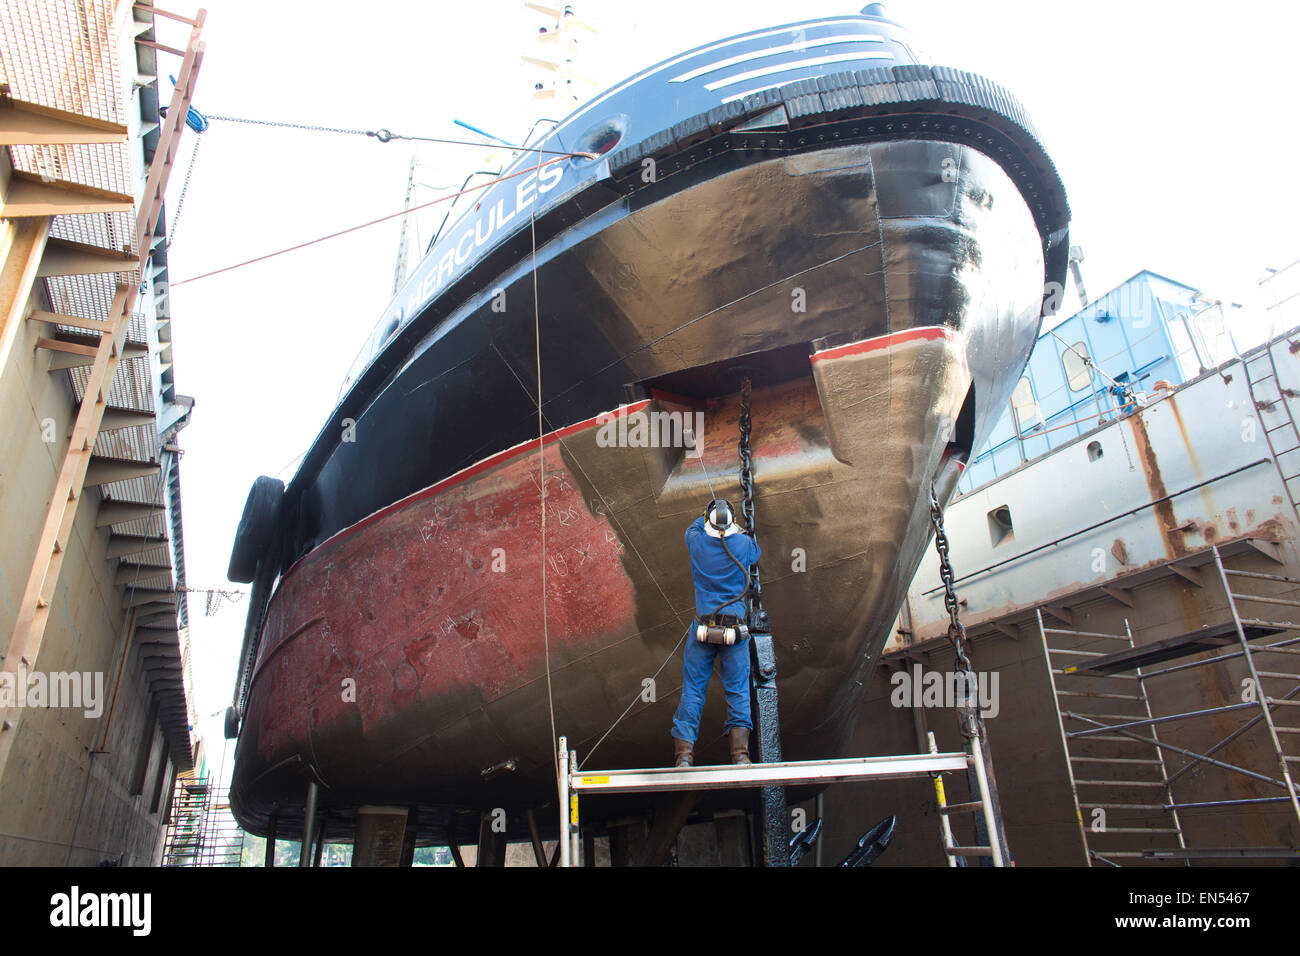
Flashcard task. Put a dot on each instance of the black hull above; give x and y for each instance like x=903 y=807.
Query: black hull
x=474 y=346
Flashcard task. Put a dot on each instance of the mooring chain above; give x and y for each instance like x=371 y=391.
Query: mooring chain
x=185 y=188
x=757 y=617
x=282 y=125
x=956 y=629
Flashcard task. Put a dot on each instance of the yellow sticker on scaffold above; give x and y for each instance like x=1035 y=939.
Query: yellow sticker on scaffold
x=592 y=781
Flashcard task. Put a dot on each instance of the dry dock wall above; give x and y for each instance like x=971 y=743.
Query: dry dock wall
x=58 y=803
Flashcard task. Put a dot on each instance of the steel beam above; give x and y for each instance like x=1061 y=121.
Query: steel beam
x=64 y=360
x=103 y=471
x=129 y=574
x=138 y=597
x=120 y=545
x=30 y=195
x=21 y=265
x=158 y=609
x=157 y=635
x=30 y=124
x=116 y=419
x=65 y=258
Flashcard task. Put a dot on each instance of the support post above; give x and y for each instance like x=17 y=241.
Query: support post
x=308 y=824
x=320 y=842
x=563 y=836
x=539 y=852
x=992 y=819
x=491 y=844
x=980 y=779
x=773 y=813
x=575 y=827
x=381 y=832
x=269 y=859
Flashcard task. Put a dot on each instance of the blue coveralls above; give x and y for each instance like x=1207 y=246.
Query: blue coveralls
x=716 y=579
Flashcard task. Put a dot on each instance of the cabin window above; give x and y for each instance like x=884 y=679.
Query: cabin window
x=1000 y=526
x=1022 y=400
x=1074 y=360
x=1094 y=450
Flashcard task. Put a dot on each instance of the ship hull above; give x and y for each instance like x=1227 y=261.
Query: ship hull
x=883 y=297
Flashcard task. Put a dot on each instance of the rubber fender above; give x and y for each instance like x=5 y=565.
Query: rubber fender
x=256 y=526
x=232 y=723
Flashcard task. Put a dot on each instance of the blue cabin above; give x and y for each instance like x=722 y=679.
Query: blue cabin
x=1145 y=330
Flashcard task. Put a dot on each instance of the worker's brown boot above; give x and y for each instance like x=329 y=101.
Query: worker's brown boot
x=683 y=753
x=740 y=745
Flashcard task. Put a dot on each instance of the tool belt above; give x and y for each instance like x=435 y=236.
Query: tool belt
x=725 y=629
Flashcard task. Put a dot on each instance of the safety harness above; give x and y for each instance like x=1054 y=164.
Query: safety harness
x=728 y=629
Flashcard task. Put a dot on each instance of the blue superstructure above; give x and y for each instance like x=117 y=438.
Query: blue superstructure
x=1147 y=329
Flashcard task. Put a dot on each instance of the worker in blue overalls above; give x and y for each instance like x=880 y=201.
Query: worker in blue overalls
x=721 y=555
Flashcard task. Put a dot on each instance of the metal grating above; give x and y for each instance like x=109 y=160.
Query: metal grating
x=61 y=55
x=91 y=297
x=139 y=443
x=110 y=230
x=132 y=385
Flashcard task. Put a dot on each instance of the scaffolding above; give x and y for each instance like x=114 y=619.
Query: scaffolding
x=1282 y=436
x=1109 y=730
x=573 y=783
x=202 y=831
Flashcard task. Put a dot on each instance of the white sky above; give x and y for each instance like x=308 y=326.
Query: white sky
x=1172 y=125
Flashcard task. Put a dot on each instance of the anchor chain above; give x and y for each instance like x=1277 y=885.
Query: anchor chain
x=754 y=612
x=970 y=720
x=971 y=724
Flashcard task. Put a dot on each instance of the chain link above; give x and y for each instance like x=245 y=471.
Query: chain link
x=185 y=188
x=754 y=611
x=281 y=125
x=970 y=722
